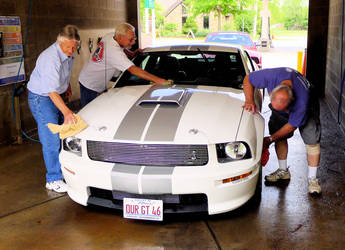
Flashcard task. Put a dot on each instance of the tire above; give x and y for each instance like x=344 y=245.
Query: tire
x=256 y=199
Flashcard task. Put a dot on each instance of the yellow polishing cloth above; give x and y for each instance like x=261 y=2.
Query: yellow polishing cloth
x=166 y=83
x=67 y=130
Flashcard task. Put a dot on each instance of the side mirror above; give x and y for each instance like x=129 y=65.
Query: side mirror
x=255 y=59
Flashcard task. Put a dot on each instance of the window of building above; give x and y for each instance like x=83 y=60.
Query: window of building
x=206 y=22
x=184 y=19
x=184 y=10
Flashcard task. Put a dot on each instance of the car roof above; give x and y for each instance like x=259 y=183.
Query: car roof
x=228 y=32
x=194 y=47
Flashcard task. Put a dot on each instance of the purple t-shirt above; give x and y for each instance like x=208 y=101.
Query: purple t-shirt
x=271 y=78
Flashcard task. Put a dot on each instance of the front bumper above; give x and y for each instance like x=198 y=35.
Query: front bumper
x=191 y=189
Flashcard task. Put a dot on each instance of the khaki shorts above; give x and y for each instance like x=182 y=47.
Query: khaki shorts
x=310 y=131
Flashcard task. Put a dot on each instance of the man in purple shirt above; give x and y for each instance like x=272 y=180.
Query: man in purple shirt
x=292 y=108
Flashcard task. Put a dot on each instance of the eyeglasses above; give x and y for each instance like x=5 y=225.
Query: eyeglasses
x=133 y=39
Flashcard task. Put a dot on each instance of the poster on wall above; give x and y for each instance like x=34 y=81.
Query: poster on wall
x=11 y=50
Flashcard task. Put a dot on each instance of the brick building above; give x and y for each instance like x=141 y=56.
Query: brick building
x=177 y=12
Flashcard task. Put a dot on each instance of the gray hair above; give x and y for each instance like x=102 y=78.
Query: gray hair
x=69 y=32
x=123 y=28
x=286 y=88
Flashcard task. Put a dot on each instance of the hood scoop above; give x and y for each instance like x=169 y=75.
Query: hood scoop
x=165 y=96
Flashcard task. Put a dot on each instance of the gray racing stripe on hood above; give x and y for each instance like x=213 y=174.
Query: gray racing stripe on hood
x=166 y=120
x=132 y=126
x=164 y=123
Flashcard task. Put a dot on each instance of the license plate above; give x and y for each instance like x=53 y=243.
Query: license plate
x=143 y=209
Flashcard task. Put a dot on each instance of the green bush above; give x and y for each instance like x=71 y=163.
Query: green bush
x=169 y=33
x=170 y=27
x=296 y=23
x=190 y=24
x=295 y=14
x=227 y=27
x=202 y=33
x=244 y=22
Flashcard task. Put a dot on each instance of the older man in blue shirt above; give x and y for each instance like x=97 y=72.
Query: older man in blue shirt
x=48 y=82
x=292 y=107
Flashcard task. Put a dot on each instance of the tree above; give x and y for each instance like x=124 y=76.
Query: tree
x=189 y=25
x=295 y=14
x=244 y=21
x=277 y=15
x=220 y=7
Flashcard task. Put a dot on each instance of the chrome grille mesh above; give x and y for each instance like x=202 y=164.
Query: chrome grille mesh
x=148 y=154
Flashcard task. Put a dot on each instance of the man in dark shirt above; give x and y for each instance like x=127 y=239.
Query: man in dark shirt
x=292 y=108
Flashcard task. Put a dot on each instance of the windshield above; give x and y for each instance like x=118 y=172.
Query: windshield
x=190 y=68
x=239 y=39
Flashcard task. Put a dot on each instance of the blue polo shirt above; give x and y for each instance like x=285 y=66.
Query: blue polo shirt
x=271 y=78
x=52 y=72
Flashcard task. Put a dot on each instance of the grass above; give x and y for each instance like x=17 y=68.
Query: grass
x=278 y=33
x=288 y=33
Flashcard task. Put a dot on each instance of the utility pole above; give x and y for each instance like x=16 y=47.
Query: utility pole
x=255 y=18
x=265 y=25
x=153 y=20
x=146 y=19
x=150 y=4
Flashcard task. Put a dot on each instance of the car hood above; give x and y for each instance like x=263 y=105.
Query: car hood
x=161 y=114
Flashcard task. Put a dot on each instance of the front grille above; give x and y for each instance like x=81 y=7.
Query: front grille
x=148 y=154
x=183 y=203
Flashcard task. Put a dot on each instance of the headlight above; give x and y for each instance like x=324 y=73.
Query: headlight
x=233 y=151
x=72 y=144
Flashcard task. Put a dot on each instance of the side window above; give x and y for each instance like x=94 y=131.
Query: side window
x=144 y=62
x=249 y=62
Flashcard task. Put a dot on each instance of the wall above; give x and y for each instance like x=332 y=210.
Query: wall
x=94 y=19
x=334 y=54
x=317 y=44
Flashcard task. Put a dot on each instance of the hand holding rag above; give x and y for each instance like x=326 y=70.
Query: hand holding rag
x=166 y=83
x=265 y=156
x=67 y=130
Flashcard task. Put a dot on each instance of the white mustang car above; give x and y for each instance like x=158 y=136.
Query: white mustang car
x=188 y=147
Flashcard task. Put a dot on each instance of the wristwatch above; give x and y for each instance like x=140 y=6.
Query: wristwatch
x=271 y=138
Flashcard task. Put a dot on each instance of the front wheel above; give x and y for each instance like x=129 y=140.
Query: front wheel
x=256 y=199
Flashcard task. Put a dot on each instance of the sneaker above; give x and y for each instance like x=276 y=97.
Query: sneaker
x=314 y=186
x=57 y=186
x=279 y=174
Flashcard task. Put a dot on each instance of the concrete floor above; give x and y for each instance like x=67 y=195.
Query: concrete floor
x=287 y=217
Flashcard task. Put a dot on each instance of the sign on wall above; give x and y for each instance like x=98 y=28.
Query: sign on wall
x=11 y=50
x=150 y=4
